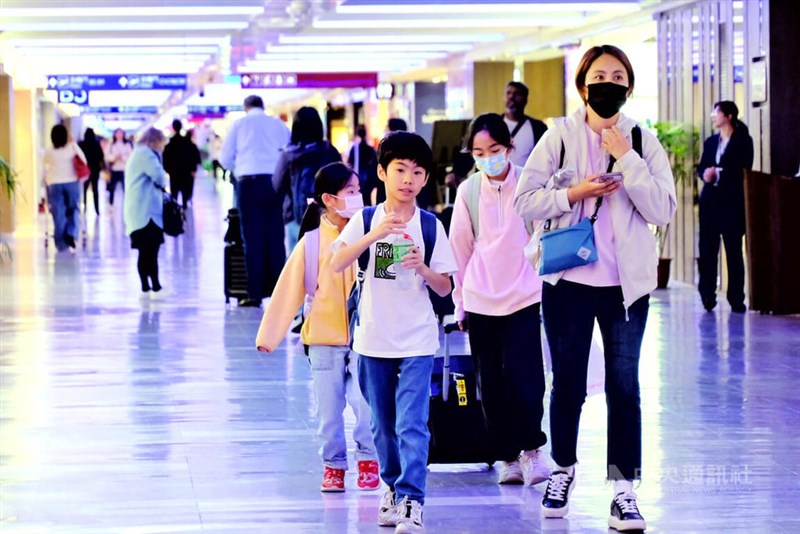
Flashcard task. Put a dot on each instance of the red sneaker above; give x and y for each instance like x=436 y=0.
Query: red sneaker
x=333 y=480
x=368 y=478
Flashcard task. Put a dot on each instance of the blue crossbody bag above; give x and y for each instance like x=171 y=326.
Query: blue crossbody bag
x=574 y=246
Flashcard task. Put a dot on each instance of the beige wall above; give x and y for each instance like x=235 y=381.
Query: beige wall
x=489 y=80
x=6 y=147
x=545 y=80
x=26 y=155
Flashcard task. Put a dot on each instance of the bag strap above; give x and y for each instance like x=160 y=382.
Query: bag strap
x=363 y=260
x=311 y=249
x=428 y=223
x=519 y=126
x=472 y=190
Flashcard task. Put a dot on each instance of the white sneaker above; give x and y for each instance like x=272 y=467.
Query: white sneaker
x=510 y=473
x=534 y=467
x=387 y=512
x=161 y=294
x=409 y=517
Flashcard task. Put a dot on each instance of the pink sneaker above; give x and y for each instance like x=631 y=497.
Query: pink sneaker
x=368 y=478
x=332 y=480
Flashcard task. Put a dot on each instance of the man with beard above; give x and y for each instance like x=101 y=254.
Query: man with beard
x=525 y=131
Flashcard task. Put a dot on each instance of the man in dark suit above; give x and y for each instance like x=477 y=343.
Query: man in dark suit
x=525 y=131
x=725 y=156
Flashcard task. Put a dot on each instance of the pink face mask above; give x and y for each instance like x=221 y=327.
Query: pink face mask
x=352 y=203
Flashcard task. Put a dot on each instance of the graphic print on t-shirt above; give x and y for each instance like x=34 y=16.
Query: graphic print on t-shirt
x=384 y=261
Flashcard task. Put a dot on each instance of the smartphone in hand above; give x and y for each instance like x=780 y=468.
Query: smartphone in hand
x=609 y=177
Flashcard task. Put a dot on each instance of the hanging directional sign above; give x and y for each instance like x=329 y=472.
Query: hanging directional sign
x=213 y=110
x=308 y=80
x=136 y=110
x=117 y=82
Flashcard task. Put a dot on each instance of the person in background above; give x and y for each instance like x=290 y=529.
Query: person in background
x=181 y=158
x=63 y=189
x=725 y=156
x=525 y=131
x=251 y=150
x=399 y=333
x=298 y=164
x=326 y=332
x=144 y=208
x=214 y=149
x=497 y=296
x=396 y=124
x=364 y=160
x=117 y=158
x=615 y=289
x=95 y=158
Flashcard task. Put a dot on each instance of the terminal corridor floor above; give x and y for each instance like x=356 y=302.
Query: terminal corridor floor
x=126 y=416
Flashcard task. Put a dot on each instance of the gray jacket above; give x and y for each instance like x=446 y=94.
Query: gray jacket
x=647 y=196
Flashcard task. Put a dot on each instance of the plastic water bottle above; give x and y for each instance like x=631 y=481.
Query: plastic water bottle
x=401 y=246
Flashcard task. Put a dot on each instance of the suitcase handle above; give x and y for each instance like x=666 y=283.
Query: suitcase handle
x=449 y=329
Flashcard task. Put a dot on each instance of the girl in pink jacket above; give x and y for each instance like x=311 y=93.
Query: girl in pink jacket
x=497 y=295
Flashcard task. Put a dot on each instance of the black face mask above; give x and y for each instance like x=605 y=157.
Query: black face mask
x=607 y=98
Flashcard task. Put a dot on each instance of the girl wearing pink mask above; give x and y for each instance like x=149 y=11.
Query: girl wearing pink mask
x=497 y=295
x=307 y=276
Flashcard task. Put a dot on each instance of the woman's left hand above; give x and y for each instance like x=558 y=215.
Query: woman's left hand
x=614 y=142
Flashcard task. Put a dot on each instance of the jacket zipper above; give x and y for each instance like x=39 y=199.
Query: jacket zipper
x=500 y=207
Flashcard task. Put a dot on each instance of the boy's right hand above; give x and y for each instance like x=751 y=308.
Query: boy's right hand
x=391 y=223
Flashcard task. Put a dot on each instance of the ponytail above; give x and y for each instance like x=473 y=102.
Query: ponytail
x=312 y=218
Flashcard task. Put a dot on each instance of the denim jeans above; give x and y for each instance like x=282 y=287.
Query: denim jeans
x=335 y=374
x=117 y=177
x=64 y=200
x=398 y=390
x=261 y=216
x=292 y=235
x=507 y=351
x=569 y=312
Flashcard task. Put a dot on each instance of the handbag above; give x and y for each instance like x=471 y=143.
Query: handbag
x=569 y=247
x=172 y=214
x=82 y=170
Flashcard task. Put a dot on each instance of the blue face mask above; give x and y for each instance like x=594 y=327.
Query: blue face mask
x=493 y=165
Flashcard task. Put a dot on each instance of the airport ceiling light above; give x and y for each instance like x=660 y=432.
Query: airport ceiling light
x=386 y=39
x=399 y=7
x=62 y=65
x=370 y=47
x=149 y=26
x=118 y=41
x=343 y=65
x=446 y=23
x=193 y=52
x=364 y=55
x=141 y=11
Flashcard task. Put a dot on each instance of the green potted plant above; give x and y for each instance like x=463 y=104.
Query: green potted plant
x=8 y=187
x=682 y=145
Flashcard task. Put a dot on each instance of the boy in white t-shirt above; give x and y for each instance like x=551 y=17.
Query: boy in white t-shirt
x=397 y=333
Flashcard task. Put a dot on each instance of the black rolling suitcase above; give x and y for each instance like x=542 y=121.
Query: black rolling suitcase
x=458 y=431
x=235 y=269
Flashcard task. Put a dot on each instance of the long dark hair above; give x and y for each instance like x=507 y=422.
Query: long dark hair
x=494 y=125
x=306 y=127
x=729 y=109
x=330 y=179
x=59 y=136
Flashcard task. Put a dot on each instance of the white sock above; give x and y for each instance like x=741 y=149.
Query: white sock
x=623 y=486
x=569 y=470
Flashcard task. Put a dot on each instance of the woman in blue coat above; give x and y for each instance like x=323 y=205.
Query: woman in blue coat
x=144 y=207
x=725 y=156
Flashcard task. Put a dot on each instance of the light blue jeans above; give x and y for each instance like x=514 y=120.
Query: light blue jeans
x=397 y=390
x=335 y=385
x=292 y=236
x=64 y=200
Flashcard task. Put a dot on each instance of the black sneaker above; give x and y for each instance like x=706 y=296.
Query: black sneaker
x=556 y=497
x=625 y=513
x=709 y=304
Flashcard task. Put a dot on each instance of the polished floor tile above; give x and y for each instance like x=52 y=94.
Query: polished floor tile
x=118 y=415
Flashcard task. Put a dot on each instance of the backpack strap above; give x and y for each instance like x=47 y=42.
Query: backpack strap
x=520 y=124
x=311 y=249
x=366 y=217
x=472 y=190
x=428 y=223
x=636 y=138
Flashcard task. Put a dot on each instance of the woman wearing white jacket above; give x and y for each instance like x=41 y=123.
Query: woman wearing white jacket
x=614 y=290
